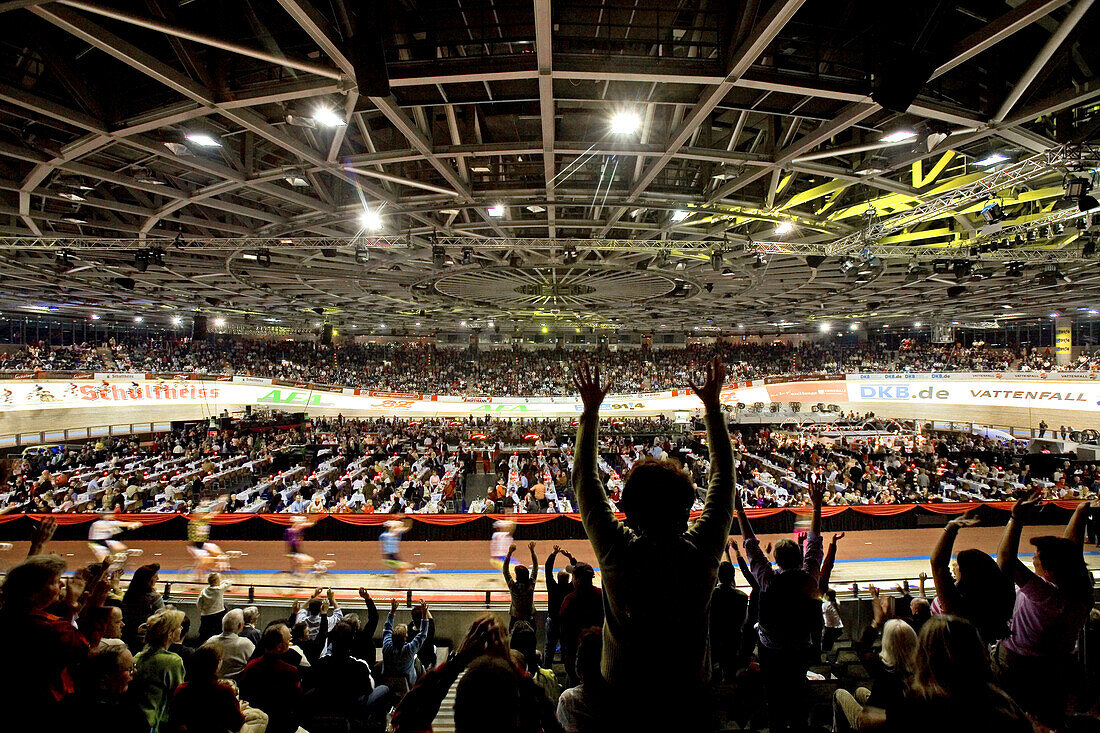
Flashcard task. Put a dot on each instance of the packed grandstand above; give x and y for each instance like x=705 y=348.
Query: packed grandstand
x=512 y=372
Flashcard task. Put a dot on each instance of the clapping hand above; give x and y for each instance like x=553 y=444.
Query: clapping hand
x=838 y=537
x=589 y=387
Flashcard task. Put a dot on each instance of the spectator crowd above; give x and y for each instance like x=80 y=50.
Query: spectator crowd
x=513 y=372
x=666 y=641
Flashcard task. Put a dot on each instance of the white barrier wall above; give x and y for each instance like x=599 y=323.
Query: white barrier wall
x=1018 y=399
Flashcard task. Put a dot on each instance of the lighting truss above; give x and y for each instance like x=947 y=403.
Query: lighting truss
x=951 y=201
x=350 y=243
x=1030 y=255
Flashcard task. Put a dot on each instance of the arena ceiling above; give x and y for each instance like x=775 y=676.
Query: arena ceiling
x=436 y=165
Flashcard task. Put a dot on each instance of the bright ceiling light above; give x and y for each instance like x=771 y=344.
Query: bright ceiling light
x=784 y=227
x=680 y=215
x=370 y=220
x=479 y=168
x=536 y=209
x=853 y=327
x=496 y=210
x=826 y=327
x=991 y=159
x=71 y=196
x=176 y=320
x=1053 y=315
x=219 y=322
x=328 y=117
x=917 y=324
x=298 y=181
x=95 y=316
x=203 y=140
x=625 y=123
x=74 y=220
x=138 y=319
x=899 y=136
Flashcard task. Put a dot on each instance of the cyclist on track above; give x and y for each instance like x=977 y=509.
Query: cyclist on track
x=293 y=537
x=206 y=553
x=391 y=544
x=101 y=536
x=501 y=541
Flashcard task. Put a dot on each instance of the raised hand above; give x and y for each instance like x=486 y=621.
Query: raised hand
x=364 y=594
x=817 y=490
x=531 y=546
x=711 y=390
x=1025 y=509
x=393 y=606
x=970 y=519
x=838 y=537
x=43 y=533
x=589 y=386
x=557 y=549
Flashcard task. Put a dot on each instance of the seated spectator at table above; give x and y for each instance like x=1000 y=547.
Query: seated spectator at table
x=1035 y=664
x=101 y=703
x=157 y=671
x=205 y=703
x=271 y=684
x=234 y=650
x=43 y=649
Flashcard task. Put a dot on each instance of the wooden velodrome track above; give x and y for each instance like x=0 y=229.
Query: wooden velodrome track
x=463 y=572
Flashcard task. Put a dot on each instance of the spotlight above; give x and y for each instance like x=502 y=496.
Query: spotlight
x=760 y=262
x=642 y=265
x=176 y=320
x=784 y=227
x=1076 y=187
x=62 y=261
x=467 y=255
x=664 y=258
x=716 y=261
x=625 y=123
x=496 y=211
x=156 y=256
x=328 y=117
x=993 y=213
x=438 y=255
x=1088 y=248
x=569 y=254
x=219 y=323
x=679 y=215
x=141 y=260
x=203 y=140
x=962 y=269
x=329 y=252
x=370 y=220
x=898 y=136
x=263 y=257
x=362 y=255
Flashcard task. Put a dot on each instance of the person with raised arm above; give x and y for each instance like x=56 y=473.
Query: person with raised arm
x=656 y=540
x=521 y=587
x=981 y=593
x=790 y=613
x=1035 y=663
x=557 y=588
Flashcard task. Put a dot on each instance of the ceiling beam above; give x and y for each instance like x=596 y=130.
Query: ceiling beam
x=762 y=34
x=544 y=56
x=1041 y=59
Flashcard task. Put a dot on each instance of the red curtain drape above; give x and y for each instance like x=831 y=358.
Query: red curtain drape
x=882 y=510
x=525 y=518
x=446 y=519
x=826 y=511
x=363 y=520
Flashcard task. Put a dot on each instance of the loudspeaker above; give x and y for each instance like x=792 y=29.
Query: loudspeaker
x=126 y=283
x=198 y=327
x=326 y=335
x=955 y=291
x=367 y=55
x=814 y=261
